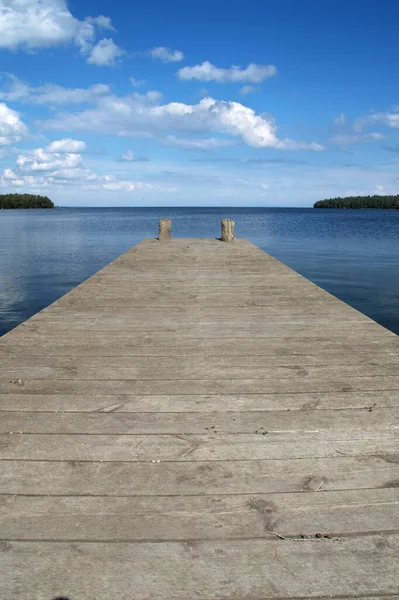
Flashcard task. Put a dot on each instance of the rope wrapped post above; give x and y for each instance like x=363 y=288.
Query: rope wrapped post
x=227 y=230
x=165 y=228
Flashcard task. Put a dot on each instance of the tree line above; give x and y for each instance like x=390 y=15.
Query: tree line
x=25 y=201
x=360 y=202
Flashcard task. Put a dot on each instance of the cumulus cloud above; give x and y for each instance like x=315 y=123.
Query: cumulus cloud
x=12 y=129
x=102 y=22
x=140 y=115
x=130 y=156
x=208 y=72
x=31 y=25
x=197 y=143
x=105 y=53
x=45 y=167
x=16 y=90
x=35 y=24
x=166 y=55
x=67 y=145
x=41 y=160
x=346 y=139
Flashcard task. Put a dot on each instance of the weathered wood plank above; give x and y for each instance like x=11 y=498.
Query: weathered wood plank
x=327 y=423
x=239 y=569
x=92 y=344
x=198 y=517
x=197 y=386
x=104 y=327
x=180 y=371
x=190 y=448
x=159 y=299
x=194 y=311
x=201 y=360
x=192 y=478
x=213 y=403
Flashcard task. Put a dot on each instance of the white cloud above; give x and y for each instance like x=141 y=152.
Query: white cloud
x=66 y=145
x=136 y=115
x=340 y=120
x=166 y=55
x=126 y=186
x=389 y=119
x=208 y=72
x=85 y=36
x=346 y=139
x=12 y=88
x=130 y=156
x=34 y=24
x=42 y=167
x=40 y=160
x=56 y=94
x=86 y=33
x=16 y=90
x=102 y=22
x=105 y=53
x=12 y=129
x=248 y=89
x=197 y=143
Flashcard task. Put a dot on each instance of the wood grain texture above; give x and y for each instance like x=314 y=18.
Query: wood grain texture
x=223 y=569
x=75 y=518
x=208 y=403
x=197 y=420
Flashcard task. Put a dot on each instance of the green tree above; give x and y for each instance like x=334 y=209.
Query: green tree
x=360 y=202
x=25 y=201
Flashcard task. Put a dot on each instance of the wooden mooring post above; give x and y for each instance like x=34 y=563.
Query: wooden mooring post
x=227 y=230
x=165 y=229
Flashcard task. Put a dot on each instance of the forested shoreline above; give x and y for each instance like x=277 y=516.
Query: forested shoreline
x=360 y=202
x=25 y=201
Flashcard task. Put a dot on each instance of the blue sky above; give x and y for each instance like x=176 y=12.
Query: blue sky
x=255 y=103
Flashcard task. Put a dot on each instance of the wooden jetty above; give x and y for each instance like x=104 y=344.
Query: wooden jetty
x=198 y=421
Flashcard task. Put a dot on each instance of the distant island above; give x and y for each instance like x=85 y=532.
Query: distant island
x=359 y=202
x=25 y=201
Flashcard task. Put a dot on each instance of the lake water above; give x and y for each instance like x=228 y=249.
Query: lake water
x=354 y=254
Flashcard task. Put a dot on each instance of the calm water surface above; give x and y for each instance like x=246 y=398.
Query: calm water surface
x=354 y=254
